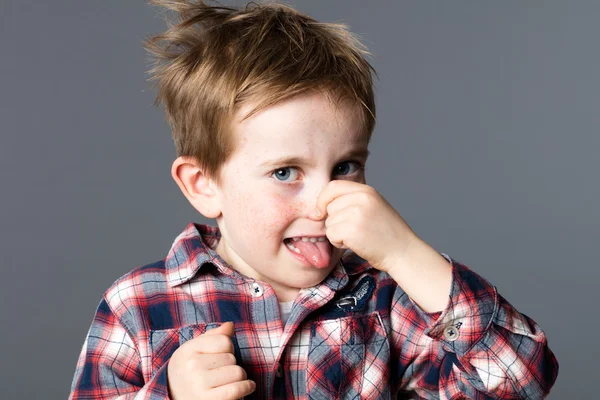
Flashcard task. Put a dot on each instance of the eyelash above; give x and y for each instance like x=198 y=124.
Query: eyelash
x=358 y=165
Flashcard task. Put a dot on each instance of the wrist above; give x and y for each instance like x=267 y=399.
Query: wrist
x=402 y=256
x=424 y=274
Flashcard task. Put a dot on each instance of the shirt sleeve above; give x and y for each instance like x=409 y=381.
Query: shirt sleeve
x=479 y=346
x=109 y=365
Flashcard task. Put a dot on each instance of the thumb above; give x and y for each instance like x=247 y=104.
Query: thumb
x=225 y=329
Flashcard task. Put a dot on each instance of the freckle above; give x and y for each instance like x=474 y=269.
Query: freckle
x=295 y=208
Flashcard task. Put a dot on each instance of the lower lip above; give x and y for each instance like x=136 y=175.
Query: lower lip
x=301 y=258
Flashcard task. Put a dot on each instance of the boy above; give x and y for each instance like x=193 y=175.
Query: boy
x=311 y=285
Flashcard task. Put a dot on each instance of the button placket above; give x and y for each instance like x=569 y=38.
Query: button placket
x=451 y=333
x=256 y=290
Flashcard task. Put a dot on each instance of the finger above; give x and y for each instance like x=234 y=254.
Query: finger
x=233 y=391
x=333 y=190
x=225 y=375
x=340 y=217
x=347 y=201
x=215 y=340
x=336 y=233
x=210 y=344
x=225 y=329
x=214 y=361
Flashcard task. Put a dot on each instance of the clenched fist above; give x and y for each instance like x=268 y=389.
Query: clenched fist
x=205 y=368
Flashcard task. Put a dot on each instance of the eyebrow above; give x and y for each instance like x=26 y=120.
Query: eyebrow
x=295 y=160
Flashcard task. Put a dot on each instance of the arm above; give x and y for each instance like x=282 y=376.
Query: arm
x=109 y=366
x=478 y=345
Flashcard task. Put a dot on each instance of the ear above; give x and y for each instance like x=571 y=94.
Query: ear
x=197 y=187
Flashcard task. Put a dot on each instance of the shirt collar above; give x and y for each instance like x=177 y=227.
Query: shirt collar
x=191 y=250
x=194 y=247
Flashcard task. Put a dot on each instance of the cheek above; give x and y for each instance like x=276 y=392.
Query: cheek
x=286 y=207
x=263 y=211
x=274 y=213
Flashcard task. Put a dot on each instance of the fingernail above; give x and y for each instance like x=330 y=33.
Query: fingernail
x=317 y=213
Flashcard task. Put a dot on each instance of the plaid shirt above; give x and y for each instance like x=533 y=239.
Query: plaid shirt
x=355 y=335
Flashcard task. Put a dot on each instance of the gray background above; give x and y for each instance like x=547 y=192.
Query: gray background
x=487 y=144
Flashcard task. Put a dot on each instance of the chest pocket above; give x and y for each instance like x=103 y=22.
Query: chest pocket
x=164 y=342
x=348 y=358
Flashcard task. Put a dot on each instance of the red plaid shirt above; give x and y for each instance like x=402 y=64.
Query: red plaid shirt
x=355 y=335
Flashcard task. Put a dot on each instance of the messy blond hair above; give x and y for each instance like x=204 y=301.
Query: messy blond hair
x=214 y=59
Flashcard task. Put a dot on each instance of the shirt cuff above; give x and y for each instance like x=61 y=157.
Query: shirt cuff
x=472 y=306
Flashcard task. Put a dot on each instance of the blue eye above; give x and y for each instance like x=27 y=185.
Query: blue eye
x=284 y=174
x=346 y=168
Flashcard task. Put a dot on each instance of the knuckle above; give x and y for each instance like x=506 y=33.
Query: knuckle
x=193 y=364
x=370 y=189
x=219 y=343
x=238 y=373
x=239 y=390
x=225 y=343
x=333 y=232
x=233 y=392
x=329 y=232
x=329 y=208
x=218 y=340
x=365 y=197
x=230 y=358
x=247 y=387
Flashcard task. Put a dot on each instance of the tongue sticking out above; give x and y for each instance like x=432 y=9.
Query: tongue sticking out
x=317 y=253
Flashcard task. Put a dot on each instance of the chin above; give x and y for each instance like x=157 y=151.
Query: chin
x=311 y=277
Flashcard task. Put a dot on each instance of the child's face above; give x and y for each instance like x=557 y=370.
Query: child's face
x=285 y=156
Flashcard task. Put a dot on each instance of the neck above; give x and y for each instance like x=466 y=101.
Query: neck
x=284 y=293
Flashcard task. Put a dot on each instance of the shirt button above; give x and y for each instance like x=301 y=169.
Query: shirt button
x=451 y=333
x=257 y=290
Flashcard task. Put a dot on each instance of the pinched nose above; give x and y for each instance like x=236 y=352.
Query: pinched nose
x=310 y=197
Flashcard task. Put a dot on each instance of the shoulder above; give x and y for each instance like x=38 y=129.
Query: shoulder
x=133 y=296
x=137 y=285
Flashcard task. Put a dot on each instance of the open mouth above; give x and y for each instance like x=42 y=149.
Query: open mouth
x=314 y=250
x=289 y=242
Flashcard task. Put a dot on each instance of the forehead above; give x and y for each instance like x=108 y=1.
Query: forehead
x=306 y=123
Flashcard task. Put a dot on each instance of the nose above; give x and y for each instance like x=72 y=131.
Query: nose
x=311 y=193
